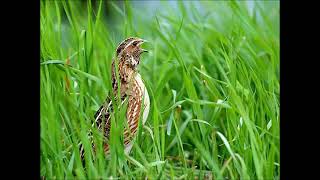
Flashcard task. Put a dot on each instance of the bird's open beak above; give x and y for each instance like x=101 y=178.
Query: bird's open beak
x=143 y=50
x=141 y=42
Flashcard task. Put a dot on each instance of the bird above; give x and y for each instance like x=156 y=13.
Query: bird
x=132 y=88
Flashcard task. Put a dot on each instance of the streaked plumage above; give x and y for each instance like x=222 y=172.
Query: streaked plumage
x=131 y=87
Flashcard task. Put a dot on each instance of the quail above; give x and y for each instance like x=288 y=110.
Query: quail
x=131 y=87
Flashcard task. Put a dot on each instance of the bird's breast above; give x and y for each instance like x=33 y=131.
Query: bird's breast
x=138 y=105
x=146 y=101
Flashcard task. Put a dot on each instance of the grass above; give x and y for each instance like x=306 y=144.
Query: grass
x=212 y=76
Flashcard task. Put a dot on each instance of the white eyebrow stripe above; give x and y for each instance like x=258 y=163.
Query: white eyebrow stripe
x=134 y=40
x=129 y=44
x=126 y=46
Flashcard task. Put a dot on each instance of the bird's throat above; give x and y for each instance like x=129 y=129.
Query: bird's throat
x=125 y=75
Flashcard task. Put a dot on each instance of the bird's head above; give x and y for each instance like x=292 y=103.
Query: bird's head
x=130 y=50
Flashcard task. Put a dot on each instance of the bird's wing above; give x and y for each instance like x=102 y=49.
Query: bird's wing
x=102 y=117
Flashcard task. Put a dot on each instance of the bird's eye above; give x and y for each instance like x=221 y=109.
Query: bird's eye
x=135 y=43
x=118 y=50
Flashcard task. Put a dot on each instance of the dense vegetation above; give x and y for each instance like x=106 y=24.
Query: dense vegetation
x=212 y=73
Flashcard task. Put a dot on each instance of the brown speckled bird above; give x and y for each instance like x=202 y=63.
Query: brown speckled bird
x=131 y=87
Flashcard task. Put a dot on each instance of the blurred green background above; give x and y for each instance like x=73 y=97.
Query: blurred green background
x=212 y=73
